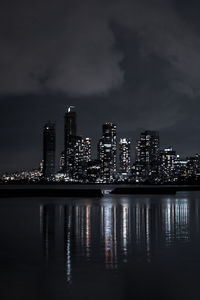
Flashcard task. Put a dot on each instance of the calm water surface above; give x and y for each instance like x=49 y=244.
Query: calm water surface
x=117 y=247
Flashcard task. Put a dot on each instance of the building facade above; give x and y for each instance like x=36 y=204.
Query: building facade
x=167 y=164
x=147 y=157
x=107 y=153
x=49 y=149
x=70 y=142
x=124 y=157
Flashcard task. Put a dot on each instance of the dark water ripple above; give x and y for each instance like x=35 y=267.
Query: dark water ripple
x=118 y=247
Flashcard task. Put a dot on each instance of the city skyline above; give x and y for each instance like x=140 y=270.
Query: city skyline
x=112 y=162
x=94 y=141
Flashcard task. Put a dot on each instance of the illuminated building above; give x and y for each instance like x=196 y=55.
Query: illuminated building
x=167 y=158
x=49 y=148
x=77 y=151
x=147 y=157
x=93 y=171
x=124 y=156
x=62 y=161
x=70 y=140
x=193 y=167
x=107 y=151
x=87 y=150
x=70 y=123
x=79 y=163
x=180 y=169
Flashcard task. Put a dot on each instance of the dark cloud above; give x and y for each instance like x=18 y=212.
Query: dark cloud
x=70 y=46
x=60 y=47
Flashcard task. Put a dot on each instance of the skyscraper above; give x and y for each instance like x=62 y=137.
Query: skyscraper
x=107 y=151
x=62 y=161
x=147 y=157
x=70 y=141
x=87 y=150
x=49 y=148
x=77 y=152
x=124 y=156
x=70 y=122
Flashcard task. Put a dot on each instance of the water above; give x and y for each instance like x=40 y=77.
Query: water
x=117 y=247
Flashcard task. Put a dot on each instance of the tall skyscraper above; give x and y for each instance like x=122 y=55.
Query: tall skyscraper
x=147 y=157
x=77 y=152
x=49 y=148
x=70 y=122
x=107 y=151
x=124 y=156
x=70 y=141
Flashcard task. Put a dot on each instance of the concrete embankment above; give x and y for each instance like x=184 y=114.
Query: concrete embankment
x=153 y=190
x=33 y=192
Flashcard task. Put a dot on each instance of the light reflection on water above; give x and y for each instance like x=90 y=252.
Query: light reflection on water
x=147 y=246
x=111 y=230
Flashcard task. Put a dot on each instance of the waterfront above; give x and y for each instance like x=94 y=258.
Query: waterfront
x=117 y=247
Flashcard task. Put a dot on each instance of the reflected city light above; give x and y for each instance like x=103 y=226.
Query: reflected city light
x=125 y=224
x=88 y=229
x=176 y=219
x=109 y=234
x=68 y=220
x=113 y=229
x=148 y=236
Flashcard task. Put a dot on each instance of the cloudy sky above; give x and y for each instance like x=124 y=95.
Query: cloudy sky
x=132 y=62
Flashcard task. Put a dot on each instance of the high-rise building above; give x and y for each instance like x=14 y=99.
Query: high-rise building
x=107 y=152
x=79 y=163
x=167 y=159
x=193 y=167
x=70 y=140
x=180 y=169
x=124 y=156
x=87 y=150
x=49 y=148
x=62 y=161
x=77 y=152
x=70 y=122
x=147 y=157
x=93 y=171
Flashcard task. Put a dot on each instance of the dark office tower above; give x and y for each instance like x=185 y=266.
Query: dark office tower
x=124 y=156
x=147 y=157
x=107 y=151
x=62 y=161
x=167 y=159
x=49 y=148
x=70 y=122
x=193 y=168
x=70 y=142
x=74 y=151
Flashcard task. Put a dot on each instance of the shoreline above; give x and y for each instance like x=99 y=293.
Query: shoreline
x=98 y=190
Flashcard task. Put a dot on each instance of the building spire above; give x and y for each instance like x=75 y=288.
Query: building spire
x=70 y=107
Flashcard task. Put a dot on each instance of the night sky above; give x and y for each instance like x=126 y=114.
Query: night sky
x=135 y=63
